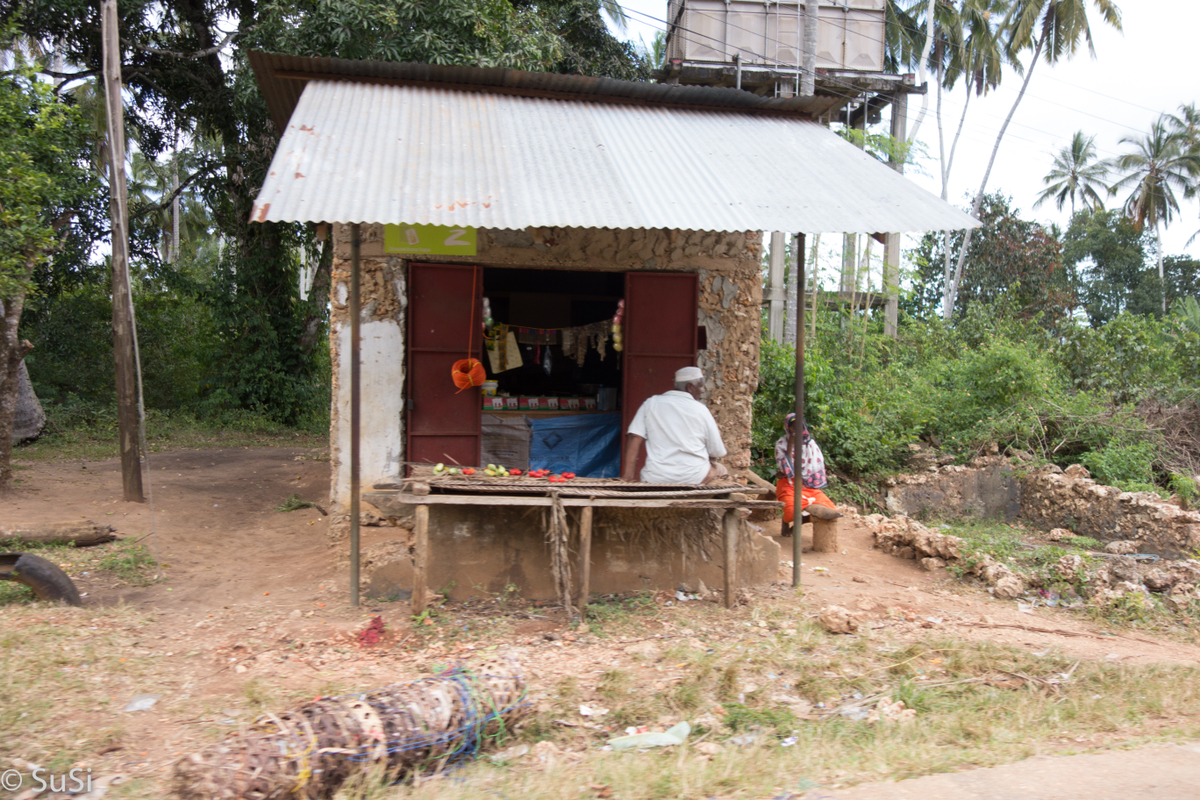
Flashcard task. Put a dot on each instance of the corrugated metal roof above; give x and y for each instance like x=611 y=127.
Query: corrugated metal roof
x=364 y=152
x=282 y=79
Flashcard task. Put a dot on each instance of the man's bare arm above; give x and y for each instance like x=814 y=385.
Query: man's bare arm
x=633 y=451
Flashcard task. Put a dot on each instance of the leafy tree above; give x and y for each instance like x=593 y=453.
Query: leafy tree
x=1181 y=275
x=187 y=76
x=1010 y=258
x=43 y=150
x=1076 y=170
x=1107 y=253
x=1160 y=164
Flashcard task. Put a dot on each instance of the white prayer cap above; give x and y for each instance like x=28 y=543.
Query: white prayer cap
x=689 y=374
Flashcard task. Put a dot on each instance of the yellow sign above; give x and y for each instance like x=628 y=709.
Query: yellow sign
x=441 y=240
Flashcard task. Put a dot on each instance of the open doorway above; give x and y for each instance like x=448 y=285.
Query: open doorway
x=543 y=312
x=552 y=349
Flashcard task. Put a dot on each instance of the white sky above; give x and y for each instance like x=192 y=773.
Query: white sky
x=1146 y=70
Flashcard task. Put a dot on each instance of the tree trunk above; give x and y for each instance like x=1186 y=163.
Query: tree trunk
x=921 y=67
x=83 y=534
x=950 y=296
x=1162 y=281
x=954 y=145
x=12 y=351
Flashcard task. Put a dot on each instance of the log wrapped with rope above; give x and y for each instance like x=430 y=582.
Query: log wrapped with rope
x=398 y=731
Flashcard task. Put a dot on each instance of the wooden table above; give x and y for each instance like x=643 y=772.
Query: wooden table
x=421 y=497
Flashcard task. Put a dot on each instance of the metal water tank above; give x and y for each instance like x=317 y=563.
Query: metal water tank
x=850 y=33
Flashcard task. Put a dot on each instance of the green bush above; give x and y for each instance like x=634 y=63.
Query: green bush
x=990 y=378
x=1128 y=466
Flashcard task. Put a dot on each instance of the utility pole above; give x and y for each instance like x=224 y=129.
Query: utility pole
x=127 y=411
x=808 y=78
x=891 y=245
x=776 y=295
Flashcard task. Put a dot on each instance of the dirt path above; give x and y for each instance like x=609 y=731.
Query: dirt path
x=253 y=596
x=1169 y=772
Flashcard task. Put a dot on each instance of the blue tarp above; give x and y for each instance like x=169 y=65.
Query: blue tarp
x=587 y=444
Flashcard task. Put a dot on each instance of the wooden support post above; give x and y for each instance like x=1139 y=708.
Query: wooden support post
x=355 y=403
x=799 y=409
x=825 y=535
x=730 y=525
x=585 y=559
x=420 y=593
x=122 y=306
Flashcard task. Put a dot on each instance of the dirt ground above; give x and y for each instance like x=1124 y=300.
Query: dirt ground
x=250 y=594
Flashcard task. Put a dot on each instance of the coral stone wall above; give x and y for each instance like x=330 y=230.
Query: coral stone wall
x=728 y=265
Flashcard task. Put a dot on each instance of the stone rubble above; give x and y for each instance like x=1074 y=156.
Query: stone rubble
x=1119 y=575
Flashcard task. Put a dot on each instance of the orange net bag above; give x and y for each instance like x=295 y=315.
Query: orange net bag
x=468 y=372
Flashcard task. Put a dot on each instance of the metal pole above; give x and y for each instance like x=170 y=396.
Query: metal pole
x=799 y=484
x=355 y=398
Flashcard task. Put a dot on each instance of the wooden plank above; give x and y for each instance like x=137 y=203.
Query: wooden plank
x=730 y=524
x=420 y=593
x=585 y=559
x=388 y=501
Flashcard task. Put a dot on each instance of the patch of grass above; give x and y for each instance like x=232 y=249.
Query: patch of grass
x=130 y=561
x=966 y=715
x=65 y=670
x=740 y=718
x=127 y=560
x=294 y=503
x=612 y=613
x=88 y=432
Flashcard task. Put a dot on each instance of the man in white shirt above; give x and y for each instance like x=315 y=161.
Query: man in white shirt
x=680 y=435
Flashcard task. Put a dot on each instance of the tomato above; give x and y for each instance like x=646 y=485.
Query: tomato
x=516 y=472
x=469 y=471
x=568 y=475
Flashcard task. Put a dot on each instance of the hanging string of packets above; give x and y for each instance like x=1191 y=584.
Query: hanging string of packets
x=502 y=342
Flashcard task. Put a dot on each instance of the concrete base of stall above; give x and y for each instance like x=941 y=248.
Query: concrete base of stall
x=477 y=552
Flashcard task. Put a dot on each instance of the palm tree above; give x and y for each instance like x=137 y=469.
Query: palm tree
x=1187 y=126
x=1053 y=29
x=1076 y=171
x=1159 y=165
x=965 y=44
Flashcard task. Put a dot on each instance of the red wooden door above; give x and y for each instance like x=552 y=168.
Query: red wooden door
x=661 y=311
x=444 y=302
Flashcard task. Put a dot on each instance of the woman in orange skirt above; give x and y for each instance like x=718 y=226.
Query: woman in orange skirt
x=812 y=500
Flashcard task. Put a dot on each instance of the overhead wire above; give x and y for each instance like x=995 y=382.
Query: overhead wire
x=857 y=92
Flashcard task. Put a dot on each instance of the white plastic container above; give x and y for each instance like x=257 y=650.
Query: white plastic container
x=489 y=388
